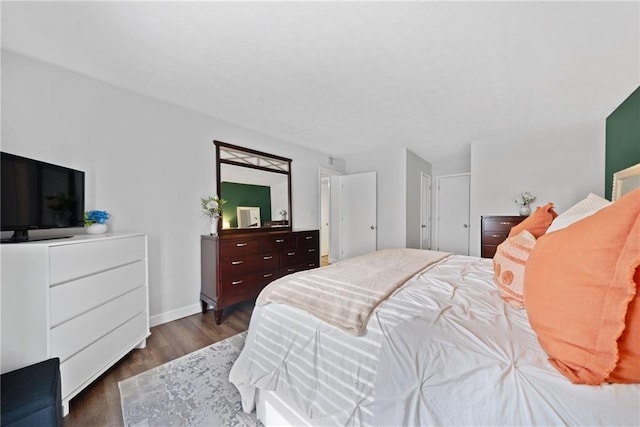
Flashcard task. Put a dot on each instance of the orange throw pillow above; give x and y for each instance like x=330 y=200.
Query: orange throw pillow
x=508 y=267
x=580 y=288
x=537 y=223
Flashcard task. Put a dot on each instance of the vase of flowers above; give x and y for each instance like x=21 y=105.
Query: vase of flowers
x=524 y=201
x=212 y=208
x=95 y=222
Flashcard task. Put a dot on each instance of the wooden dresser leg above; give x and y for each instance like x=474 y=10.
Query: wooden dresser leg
x=218 y=316
x=205 y=306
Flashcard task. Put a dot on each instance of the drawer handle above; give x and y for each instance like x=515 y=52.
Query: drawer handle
x=505 y=223
x=291 y=270
x=313 y=264
x=267 y=275
x=279 y=240
x=236 y=262
x=240 y=245
x=291 y=253
x=312 y=250
x=309 y=237
x=268 y=257
x=495 y=235
x=237 y=282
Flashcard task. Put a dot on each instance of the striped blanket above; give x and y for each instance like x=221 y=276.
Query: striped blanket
x=345 y=294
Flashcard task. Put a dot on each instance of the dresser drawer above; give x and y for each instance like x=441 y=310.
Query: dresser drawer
x=73 y=298
x=240 y=247
x=494 y=238
x=491 y=224
x=310 y=253
x=67 y=262
x=306 y=265
x=308 y=239
x=89 y=364
x=273 y=243
x=488 y=251
x=244 y=265
x=247 y=286
x=78 y=333
x=293 y=256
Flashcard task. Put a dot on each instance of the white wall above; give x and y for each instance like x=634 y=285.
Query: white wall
x=146 y=162
x=415 y=165
x=391 y=167
x=558 y=165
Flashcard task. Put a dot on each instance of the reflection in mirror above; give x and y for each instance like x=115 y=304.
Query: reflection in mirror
x=248 y=216
x=252 y=179
x=241 y=186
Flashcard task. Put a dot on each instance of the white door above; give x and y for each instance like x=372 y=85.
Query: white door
x=453 y=213
x=425 y=211
x=357 y=213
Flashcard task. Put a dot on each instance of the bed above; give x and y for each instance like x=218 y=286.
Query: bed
x=443 y=349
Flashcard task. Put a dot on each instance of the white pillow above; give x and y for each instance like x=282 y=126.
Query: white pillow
x=584 y=208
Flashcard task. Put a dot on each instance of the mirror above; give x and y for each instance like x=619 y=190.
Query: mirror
x=625 y=181
x=256 y=186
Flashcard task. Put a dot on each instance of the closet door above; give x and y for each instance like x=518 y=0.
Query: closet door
x=356 y=213
x=453 y=213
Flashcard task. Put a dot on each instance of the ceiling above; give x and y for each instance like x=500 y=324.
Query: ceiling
x=351 y=77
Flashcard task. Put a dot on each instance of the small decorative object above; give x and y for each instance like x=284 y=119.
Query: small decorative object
x=524 y=201
x=96 y=221
x=212 y=208
x=283 y=214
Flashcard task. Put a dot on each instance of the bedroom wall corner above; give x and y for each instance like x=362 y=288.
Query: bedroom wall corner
x=560 y=165
x=623 y=138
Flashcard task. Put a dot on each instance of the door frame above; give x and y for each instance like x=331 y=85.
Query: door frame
x=437 y=216
x=426 y=177
x=325 y=173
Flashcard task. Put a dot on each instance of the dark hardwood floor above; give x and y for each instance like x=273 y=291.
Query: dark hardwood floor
x=99 y=404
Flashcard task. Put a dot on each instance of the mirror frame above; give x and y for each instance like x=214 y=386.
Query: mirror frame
x=256 y=153
x=619 y=177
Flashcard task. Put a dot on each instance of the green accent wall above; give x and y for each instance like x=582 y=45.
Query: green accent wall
x=245 y=195
x=623 y=138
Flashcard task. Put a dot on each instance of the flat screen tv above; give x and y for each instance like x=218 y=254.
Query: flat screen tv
x=35 y=195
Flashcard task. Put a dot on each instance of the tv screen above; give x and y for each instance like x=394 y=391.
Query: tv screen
x=38 y=195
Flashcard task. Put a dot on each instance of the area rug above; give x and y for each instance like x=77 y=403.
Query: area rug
x=193 y=390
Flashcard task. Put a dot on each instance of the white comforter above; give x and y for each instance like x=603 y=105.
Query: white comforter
x=443 y=350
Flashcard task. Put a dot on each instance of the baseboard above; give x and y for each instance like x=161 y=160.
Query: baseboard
x=171 y=315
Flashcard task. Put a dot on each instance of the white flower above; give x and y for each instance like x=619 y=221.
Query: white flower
x=526 y=199
x=212 y=206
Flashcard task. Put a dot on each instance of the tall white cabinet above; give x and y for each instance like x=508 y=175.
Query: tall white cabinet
x=83 y=299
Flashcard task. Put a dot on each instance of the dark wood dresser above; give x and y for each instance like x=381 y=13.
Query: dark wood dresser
x=495 y=230
x=235 y=267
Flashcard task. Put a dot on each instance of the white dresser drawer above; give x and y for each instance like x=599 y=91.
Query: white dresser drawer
x=78 y=296
x=78 y=333
x=67 y=262
x=90 y=363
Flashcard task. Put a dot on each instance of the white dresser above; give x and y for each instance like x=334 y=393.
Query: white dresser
x=83 y=299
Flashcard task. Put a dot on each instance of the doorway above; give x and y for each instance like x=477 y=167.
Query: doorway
x=452 y=213
x=325 y=216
